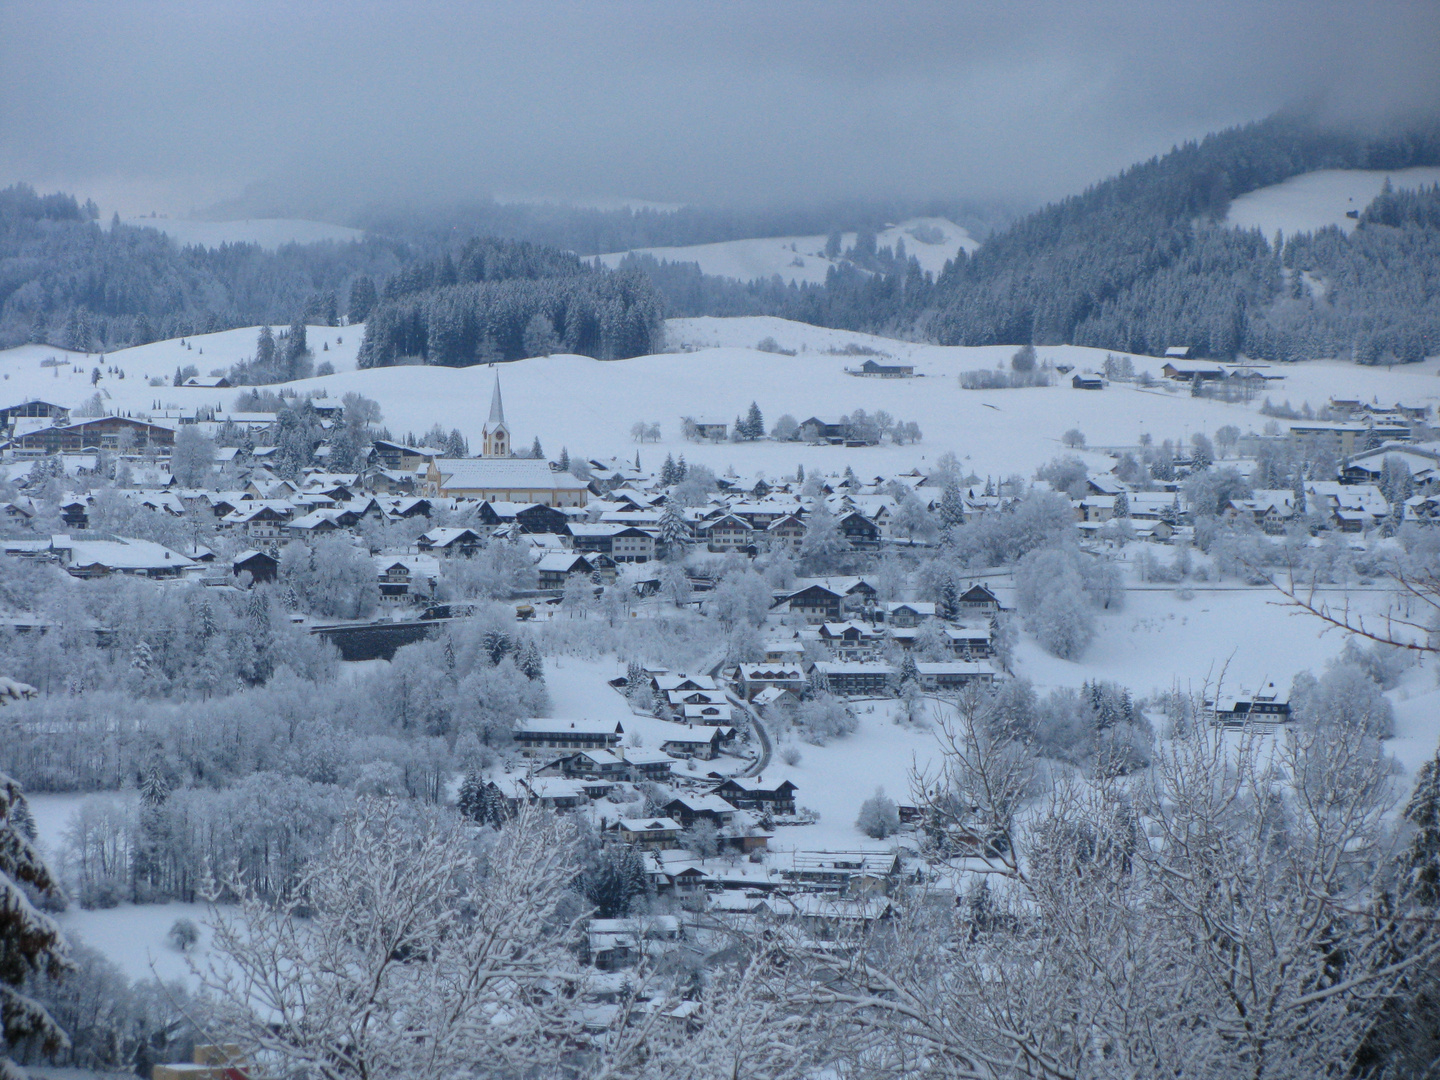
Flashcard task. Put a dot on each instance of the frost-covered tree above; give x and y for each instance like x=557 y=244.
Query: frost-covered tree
x=409 y=949
x=1050 y=593
x=824 y=547
x=742 y=597
x=879 y=817
x=192 y=460
x=332 y=578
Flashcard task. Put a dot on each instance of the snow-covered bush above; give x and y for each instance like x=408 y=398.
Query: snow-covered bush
x=1050 y=594
x=879 y=816
x=1385 y=664
x=182 y=935
x=1345 y=696
x=824 y=717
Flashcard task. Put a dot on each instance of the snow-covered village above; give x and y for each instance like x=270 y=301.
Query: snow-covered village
x=940 y=626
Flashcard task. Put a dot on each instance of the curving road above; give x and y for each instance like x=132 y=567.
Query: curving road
x=763 y=758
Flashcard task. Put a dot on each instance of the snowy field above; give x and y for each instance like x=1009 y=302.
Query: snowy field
x=801 y=259
x=589 y=406
x=268 y=233
x=1314 y=200
x=131 y=935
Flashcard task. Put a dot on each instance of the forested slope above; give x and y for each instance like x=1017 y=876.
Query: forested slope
x=1145 y=260
x=503 y=300
x=67 y=280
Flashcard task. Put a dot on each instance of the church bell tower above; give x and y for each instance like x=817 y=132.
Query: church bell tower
x=496 y=434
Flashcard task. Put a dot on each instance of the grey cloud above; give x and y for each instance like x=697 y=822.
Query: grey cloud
x=735 y=102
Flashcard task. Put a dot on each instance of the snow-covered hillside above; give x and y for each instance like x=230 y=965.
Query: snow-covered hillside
x=268 y=233
x=801 y=259
x=23 y=371
x=589 y=406
x=1315 y=200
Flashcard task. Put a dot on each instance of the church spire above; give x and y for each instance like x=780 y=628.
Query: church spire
x=497 y=408
x=496 y=433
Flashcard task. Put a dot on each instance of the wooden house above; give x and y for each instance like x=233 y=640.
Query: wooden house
x=747 y=793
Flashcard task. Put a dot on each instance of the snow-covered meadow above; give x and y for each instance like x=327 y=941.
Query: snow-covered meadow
x=589 y=406
x=801 y=259
x=1314 y=200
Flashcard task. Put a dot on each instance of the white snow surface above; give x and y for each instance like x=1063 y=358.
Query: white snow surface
x=589 y=406
x=1314 y=200
x=131 y=935
x=268 y=233
x=801 y=259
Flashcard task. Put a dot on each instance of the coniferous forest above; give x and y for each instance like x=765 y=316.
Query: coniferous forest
x=1136 y=263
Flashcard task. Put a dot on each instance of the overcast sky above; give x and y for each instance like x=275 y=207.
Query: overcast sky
x=169 y=106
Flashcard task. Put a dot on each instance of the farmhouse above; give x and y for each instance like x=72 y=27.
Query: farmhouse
x=261 y=566
x=463 y=542
x=751 y=794
x=886 y=371
x=755 y=678
x=1266 y=706
x=56 y=414
x=703 y=743
x=555 y=568
x=1192 y=370
x=977 y=600
x=954 y=674
x=816 y=603
x=650 y=834
x=706 y=428
x=688 y=809
x=119 y=555
x=398 y=457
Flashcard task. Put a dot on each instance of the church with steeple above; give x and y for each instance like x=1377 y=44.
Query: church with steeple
x=496 y=435
x=495 y=477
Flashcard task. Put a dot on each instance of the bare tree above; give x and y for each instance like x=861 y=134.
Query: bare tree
x=1214 y=916
x=410 y=950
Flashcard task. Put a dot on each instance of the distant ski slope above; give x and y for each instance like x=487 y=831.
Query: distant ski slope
x=801 y=259
x=268 y=233
x=1314 y=200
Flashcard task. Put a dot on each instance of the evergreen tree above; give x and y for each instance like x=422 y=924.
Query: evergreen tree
x=952 y=507
x=530 y=662
x=681 y=469
x=754 y=423
x=535 y=451
x=469 y=800
x=1122 y=505
x=564 y=460
x=31 y=947
x=673 y=529
x=265 y=350
x=362 y=299
x=1420 y=862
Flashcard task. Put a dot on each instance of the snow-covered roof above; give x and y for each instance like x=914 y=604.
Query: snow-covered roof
x=479 y=474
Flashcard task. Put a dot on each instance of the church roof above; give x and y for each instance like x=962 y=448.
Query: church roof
x=497 y=407
x=502 y=474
